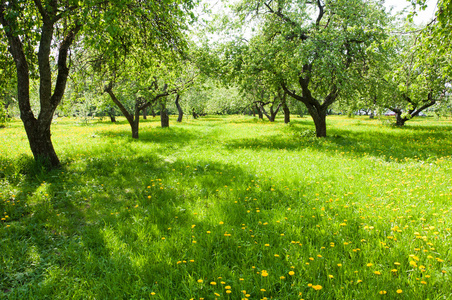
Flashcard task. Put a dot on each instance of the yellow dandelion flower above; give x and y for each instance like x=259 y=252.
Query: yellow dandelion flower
x=291 y=273
x=199 y=280
x=399 y=291
x=264 y=273
x=213 y=283
x=317 y=287
x=370 y=264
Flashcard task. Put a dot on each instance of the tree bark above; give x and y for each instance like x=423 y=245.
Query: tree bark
x=164 y=117
x=179 y=109
x=194 y=114
x=133 y=120
x=112 y=115
x=259 y=112
x=286 y=110
x=145 y=113
x=38 y=129
x=319 y=118
x=317 y=111
x=399 y=120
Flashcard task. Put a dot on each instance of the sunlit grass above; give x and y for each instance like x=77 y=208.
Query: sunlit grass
x=229 y=208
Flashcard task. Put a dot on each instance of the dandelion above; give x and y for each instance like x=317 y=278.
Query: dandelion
x=317 y=287
x=383 y=292
x=370 y=264
x=291 y=273
x=399 y=291
x=264 y=273
x=199 y=280
x=213 y=283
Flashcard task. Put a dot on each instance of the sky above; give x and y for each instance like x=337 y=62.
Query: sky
x=423 y=16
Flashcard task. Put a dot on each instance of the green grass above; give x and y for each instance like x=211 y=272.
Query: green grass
x=226 y=200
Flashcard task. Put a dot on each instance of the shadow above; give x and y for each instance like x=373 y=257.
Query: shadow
x=172 y=135
x=108 y=218
x=412 y=142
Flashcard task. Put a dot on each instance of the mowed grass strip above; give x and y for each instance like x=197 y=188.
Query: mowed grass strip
x=229 y=208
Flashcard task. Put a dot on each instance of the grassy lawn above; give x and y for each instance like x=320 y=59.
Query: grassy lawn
x=229 y=208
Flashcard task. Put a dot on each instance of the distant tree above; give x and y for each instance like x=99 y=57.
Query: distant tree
x=417 y=77
x=315 y=50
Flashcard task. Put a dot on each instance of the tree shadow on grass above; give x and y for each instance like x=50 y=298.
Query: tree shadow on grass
x=423 y=143
x=106 y=233
x=172 y=135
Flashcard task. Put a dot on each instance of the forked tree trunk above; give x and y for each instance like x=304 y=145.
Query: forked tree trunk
x=399 y=120
x=38 y=129
x=179 y=109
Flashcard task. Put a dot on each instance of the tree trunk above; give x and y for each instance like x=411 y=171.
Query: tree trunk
x=132 y=119
x=195 y=115
x=112 y=116
x=286 y=110
x=399 y=120
x=259 y=112
x=153 y=113
x=145 y=113
x=41 y=144
x=136 y=120
x=164 y=117
x=38 y=129
x=319 y=118
x=179 y=109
